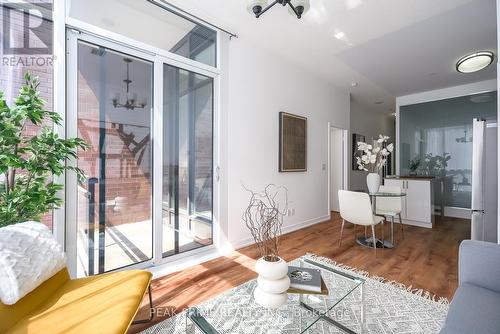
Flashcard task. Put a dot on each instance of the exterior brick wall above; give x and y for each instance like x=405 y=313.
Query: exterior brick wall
x=128 y=174
x=14 y=66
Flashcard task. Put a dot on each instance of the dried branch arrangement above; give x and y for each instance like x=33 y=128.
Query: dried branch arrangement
x=264 y=218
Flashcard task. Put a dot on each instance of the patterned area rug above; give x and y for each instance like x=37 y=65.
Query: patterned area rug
x=390 y=307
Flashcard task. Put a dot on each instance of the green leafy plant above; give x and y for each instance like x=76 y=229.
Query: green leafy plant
x=436 y=164
x=29 y=164
x=414 y=164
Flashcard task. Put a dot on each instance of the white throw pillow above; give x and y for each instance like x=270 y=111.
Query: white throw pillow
x=29 y=255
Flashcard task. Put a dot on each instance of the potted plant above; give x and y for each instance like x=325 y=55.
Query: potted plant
x=435 y=165
x=28 y=164
x=413 y=165
x=373 y=159
x=264 y=218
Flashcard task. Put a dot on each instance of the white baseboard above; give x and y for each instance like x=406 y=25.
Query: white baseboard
x=183 y=263
x=417 y=223
x=287 y=229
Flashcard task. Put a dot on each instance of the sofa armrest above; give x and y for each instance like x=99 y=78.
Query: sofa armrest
x=479 y=264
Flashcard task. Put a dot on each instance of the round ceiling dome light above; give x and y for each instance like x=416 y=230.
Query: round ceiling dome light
x=475 y=62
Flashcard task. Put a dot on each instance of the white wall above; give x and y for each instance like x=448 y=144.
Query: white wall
x=369 y=123
x=261 y=85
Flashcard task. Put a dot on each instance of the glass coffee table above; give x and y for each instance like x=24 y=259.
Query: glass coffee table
x=236 y=311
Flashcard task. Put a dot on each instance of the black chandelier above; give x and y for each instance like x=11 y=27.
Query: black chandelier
x=130 y=99
x=295 y=7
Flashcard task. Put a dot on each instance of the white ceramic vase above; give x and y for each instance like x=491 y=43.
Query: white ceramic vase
x=272 y=283
x=373 y=181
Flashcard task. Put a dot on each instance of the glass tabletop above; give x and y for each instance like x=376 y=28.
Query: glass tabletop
x=237 y=312
x=384 y=194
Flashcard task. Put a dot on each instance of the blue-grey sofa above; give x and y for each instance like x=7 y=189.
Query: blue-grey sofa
x=475 y=308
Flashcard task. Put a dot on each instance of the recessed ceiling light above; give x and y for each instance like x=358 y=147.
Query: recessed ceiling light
x=475 y=62
x=339 y=35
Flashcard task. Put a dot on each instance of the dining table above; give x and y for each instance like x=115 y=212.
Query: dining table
x=380 y=243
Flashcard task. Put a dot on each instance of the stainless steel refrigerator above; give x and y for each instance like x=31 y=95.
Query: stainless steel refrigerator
x=484 y=220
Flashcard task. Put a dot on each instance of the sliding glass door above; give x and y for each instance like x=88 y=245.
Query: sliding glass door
x=149 y=187
x=114 y=118
x=187 y=201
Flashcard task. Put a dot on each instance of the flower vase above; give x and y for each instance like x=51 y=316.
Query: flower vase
x=272 y=283
x=373 y=181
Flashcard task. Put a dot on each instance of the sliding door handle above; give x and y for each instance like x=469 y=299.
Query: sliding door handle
x=217 y=173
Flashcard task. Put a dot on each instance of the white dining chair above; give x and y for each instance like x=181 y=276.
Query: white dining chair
x=356 y=208
x=390 y=207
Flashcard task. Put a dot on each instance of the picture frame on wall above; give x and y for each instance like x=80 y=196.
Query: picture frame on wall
x=355 y=153
x=292 y=143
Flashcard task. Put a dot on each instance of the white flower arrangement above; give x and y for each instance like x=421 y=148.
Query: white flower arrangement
x=374 y=158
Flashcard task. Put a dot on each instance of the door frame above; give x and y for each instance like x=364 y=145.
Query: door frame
x=345 y=157
x=157 y=59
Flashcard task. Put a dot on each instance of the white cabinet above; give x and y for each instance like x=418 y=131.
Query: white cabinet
x=417 y=204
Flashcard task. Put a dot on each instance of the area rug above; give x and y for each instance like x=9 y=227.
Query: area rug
x=390 y=307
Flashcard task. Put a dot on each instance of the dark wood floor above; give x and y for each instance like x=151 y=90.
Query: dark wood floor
x=426 y=259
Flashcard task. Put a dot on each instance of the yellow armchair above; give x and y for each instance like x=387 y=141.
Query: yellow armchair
x=104 y=304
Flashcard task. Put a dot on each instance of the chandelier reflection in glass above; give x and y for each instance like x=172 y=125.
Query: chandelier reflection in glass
x=130 y=98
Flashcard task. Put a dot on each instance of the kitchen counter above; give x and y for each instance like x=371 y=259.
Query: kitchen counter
x=416 y=177
x=418 y=206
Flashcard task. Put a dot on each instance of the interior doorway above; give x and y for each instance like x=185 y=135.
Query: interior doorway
x=338 y=162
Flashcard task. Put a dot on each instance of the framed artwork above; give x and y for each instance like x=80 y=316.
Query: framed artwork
x=355 y=153
x=292 y=143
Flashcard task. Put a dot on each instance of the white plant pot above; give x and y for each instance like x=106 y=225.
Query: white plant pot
x=269 y=300
x=272 y=283
x=373 y=181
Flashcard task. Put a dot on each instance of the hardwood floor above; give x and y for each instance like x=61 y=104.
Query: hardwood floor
x=425 y=259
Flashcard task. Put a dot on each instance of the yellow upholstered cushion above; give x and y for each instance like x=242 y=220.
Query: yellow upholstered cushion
x=10 y=314
x=98 y=304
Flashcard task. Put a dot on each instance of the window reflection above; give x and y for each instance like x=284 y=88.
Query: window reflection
x=187 y=161
x=436 y=140
x=158 y=27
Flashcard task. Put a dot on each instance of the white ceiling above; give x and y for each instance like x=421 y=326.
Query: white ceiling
x=390 y=47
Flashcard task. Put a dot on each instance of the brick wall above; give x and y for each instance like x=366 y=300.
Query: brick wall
x=127 y=183
x=13 y=67
x=128 y=171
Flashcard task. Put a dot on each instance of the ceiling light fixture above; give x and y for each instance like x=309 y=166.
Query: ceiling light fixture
x=339 y=35
x=296 y=7
x=475 y=62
